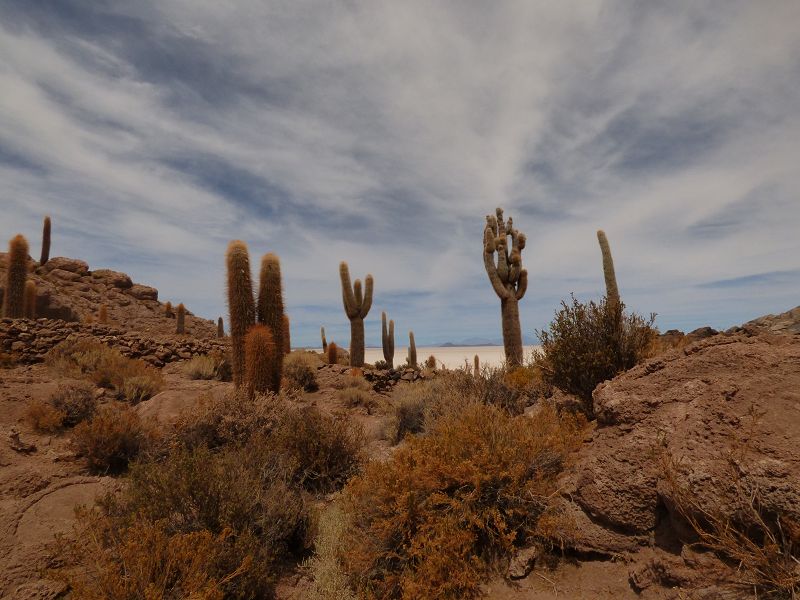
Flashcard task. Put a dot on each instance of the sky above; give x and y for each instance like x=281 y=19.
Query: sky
x=382 y=133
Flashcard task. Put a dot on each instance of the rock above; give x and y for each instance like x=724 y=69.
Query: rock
x=64 y=275
x=143 y=292
x=522 y=563
x=702 y=333
x=73 y=265
x=17 y=444
x=113 y=278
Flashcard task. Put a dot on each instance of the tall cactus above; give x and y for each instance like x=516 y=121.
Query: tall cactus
x=356 y=306
x=287 y=336
x=476 y=367
x=220 y=328
x=269 y=311
x=612 y=291
x=324 y=341
x=168 y=312
x=29 y=300
x=180 y=326
x=387 y=341
x=16 y=275
x=508 y=278
x=333 y=353
x=260 y=355
x=241 y=306
x=412 y=350
x=45 y=242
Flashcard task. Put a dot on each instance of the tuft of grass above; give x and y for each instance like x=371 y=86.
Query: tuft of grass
x=329 y=579
x=44 y=417
x=300 y=370
x=200 y=367
x=112 y=438
x=69 y=405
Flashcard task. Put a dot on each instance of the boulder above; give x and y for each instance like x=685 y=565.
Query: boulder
x=143 y=292
x=64 y=275
x=73 y=265
x=113 y=278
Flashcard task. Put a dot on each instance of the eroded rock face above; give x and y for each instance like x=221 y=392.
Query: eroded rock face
x=143 y=292
x=112 y=278
x=71 y=265
x=723 y=412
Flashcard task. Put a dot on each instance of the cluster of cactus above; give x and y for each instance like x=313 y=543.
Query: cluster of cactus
x=180 y=326
x=258 y=329
x=356 y=306
x=16 y=277
x=508 y=278
x=387 y=341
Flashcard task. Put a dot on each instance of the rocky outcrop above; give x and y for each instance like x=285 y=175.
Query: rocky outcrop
x=28 y=341
x=788 y=322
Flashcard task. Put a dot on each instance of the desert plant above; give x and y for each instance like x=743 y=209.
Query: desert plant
x=430 y=362
x=387 y=341
x=200 y=367
x=168 y=312
x=241 y=306
x=587 y=344
x=329 y=579
x=111 y=439
x=287 y=337
x=260 y=350
x=408 y=415
x=45 y=242
x=75 y=401
x=43 y=416
x=16 y=275
x=300 y=371
x=269 y=312
x=220 y=328
x=333 y=353
x=508 y=278
x=180 y=326
x=476 y=367
x=324 y=341
x=356 y=306
x=29 y=300
x=102 y=316
x=436 y=519
x=612 y=291
x=412 y=351
x=138 y=388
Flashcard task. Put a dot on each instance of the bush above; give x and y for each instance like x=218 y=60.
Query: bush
x=449 y=507
x=111 y=439
x=408 y=415
x=381 y=365
x=42 y=416
x=590 y=343
x=214 y=365
x=321 y=452
x=300 y=370
x=138 y=388
x=76 y=401
x=328 y=577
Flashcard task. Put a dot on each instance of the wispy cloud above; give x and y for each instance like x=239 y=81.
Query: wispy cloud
x=154 y=132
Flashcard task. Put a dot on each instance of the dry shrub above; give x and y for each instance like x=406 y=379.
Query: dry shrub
x=430 y=362
x=329 y=579
x=76 y=401
x=587 y=344
x=439 y=517
x=321 y=452
x=408 y=415
x=112 y=438
x=132 y=380
x=381 y=365
x=300 y=370
x=354 y=391
x=42 y=416
x=144 y=561
x=200 y=367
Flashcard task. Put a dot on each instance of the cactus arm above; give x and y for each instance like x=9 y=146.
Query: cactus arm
x=612 y=291
x=491 y=271
x=348 y=298
x=367 y=303
x=391 y=336
x=358 y=294
x=522 y=287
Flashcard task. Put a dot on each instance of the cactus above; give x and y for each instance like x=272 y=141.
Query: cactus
x=181 y=324
x=333 y=353
x=241 y=306
x=287 y=336
x=102 y=316
x=324 y=341
x=387 y=340
x=168 y=312
x=412 y=350
x=476 y=367
x=269 y=310
x=16 y=275
x=45 y=242
x=260 y=355
x=220 y=328
x=508 y=278
x=30 y=299
x=356 y=306
x=612 y=291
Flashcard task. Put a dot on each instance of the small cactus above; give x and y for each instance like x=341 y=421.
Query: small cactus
x=241 y=305
x=324 y=341
x=102 y=316
x=45 y=242
x=287 y=336
x=30 y=299
x=16 y=276
x=356 y=306
x=181 y=324
x=333 y=353
x=508 y=278
x=168 y=312
x=387 y=340
x=612 y=291
x=220 y=328
x=260 y=352
x=476 y=367
x=412 y=350
x=269 y=310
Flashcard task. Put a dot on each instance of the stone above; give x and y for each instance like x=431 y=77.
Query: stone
x=73 y=265
x=522 y=563
x=64 y=275
x=143 y=292
x=113 y=278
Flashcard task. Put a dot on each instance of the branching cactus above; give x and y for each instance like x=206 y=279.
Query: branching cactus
x=220 y=328
x=324 y=341
x=180 y=326
x=412 y=350
x=269 y=311
x=45 y=242
x=508 y=278
x=30 y=299
x=612 y=291
x=241 y=306
x=260 y=356
x=356 y=306
x=16 y=276
x=387 y=340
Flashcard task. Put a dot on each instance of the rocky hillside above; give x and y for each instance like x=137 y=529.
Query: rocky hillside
x=68 y=290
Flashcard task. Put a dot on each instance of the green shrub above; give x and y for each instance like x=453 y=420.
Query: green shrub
x=587 y=344
x=111 y=439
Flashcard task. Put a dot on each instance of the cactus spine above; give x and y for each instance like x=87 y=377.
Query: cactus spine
x=260 y=356
x=30 y=299
x=220 y=328
x=412 y=350
x=16 y=275
x=181 y=324
x=387 y=340
x=45 y=242
x=612 y=291
x=476 y=370
x=287 y=336
x=356 y=306
x=102 y=316
x=241 y=306
x=324 y=341
x=508 y=278
x=333 y=353
x=269 y=311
